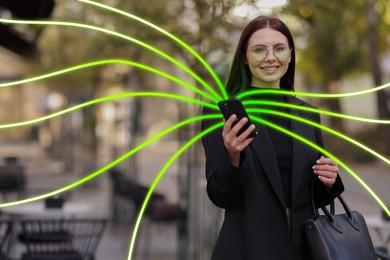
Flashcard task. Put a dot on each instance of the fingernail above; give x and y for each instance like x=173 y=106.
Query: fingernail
x=318 y=161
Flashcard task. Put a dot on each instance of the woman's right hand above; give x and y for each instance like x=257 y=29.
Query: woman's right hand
x=236 y=144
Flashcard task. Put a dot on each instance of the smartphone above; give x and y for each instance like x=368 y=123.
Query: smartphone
x=234 y=106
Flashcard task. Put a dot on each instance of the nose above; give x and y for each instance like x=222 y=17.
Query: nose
x=270 y=55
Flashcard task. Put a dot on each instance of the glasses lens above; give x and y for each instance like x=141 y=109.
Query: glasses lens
x=282 y=53
x=259 y=54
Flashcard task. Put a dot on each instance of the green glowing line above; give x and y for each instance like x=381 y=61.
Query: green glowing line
x=328 y=154
x=108 y=166
x=161 y=174
x=336 y=133
x=173 y=37
x=103 y=99
x=105 y=62
x=307 y=94
x=316 y=110
x=119 y=35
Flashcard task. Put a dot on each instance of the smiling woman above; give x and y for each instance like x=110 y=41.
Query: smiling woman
x=264 y=183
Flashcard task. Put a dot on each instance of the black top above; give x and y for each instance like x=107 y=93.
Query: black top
x=281 y=142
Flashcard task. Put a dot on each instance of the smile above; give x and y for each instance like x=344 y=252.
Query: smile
x=270 y=69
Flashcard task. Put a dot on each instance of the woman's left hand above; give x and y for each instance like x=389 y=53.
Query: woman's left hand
x=326 y=170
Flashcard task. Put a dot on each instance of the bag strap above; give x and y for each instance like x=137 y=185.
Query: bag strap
x=313 y=205
x=330 y=214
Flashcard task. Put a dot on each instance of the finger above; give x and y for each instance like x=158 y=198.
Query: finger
x=231 y=120
x=237 y=127
x=244 y=144
x=240 y=123
x=228 y=124
x=324 y=160
x=246 y=133
x=326 y=167
x=326 y=174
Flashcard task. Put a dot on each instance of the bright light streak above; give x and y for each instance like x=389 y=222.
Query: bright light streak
x=173 y=37
x=188 y=121
x=104 y=99
x=316 y=110
x=316 y=95
x=161 y=174
x=324 y=128
x=328 y=154
x=119 y=35
x=108 y=166
x=105 y=62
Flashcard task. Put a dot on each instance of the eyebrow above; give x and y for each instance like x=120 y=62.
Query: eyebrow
x=275 y=45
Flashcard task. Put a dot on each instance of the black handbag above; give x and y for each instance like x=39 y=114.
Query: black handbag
x=338 y=236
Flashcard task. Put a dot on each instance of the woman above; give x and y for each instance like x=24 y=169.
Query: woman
x=265 y=183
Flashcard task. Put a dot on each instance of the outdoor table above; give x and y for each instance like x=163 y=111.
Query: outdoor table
x=38 y=210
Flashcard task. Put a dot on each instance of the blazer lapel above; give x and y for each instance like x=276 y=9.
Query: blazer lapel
x=264 y=151
x=299 y=149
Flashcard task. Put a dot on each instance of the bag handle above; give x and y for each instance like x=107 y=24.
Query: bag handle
x=351 y=218
x=315 y=209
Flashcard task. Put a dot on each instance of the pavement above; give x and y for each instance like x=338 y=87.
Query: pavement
x=157 y=242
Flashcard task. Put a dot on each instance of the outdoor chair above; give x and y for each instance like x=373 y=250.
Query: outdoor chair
x=128 y=195
x=61 y=238
x=160 y=214
x=12 y=180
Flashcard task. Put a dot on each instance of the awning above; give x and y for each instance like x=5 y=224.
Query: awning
x=15 y=40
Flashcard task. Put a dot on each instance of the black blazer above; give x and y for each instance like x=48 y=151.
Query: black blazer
x=256 y=224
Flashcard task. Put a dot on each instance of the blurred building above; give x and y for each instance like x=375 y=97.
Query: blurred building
x=18 y=45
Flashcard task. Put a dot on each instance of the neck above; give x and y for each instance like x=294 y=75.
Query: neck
x=266 y=85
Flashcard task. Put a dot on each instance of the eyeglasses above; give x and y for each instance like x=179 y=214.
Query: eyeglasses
x=281 y=53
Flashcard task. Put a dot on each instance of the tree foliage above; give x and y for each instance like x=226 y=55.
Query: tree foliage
x=337 y=34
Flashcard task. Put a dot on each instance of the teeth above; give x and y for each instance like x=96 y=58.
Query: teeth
x=269 y=69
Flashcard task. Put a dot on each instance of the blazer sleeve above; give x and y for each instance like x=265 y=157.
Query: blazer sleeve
x=322 y=195
x=223 y=179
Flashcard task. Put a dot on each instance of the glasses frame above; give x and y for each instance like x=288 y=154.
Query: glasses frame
x=268 y=52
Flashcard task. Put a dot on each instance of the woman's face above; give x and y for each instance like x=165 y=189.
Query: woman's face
x=266 y=69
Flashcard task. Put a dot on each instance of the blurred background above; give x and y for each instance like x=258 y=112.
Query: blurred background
x=341 y=46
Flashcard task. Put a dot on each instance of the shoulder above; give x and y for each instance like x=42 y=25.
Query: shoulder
x=297 y=101
x=311 y=113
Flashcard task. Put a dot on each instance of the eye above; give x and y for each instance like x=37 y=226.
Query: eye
x=259 y=50
x=280 y=48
